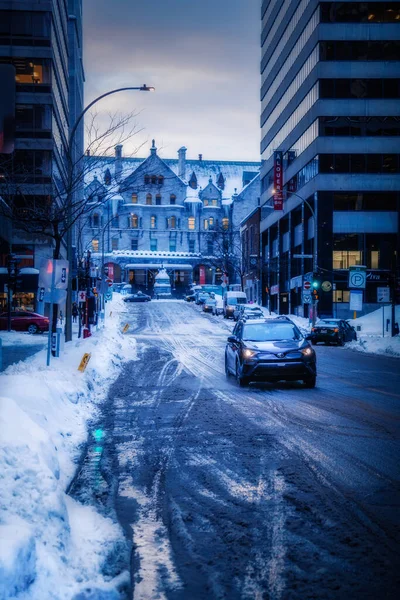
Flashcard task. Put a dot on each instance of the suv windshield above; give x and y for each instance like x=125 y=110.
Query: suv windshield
x=234 y=301
x=270 y=332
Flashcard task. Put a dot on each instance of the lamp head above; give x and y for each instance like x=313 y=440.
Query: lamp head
x=146 y=88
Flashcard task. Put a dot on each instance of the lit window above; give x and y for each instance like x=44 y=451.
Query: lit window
x=149 y=199
x=134 y=198
x=114 y=243
x=225 y=223
x=214 y=202
x=153 y=222
x=343 y=259
x=153 y=245
x=96 y=220
x=158 y=199
x=205 y=202
x=191 y=223
x=172 y=199
x=211 y=222
x=172 y=223
x=205 y=223
x=95 y=245
x=374 y=259
x=134 y=221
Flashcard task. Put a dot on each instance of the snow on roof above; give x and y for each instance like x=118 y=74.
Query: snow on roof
x=204 y=169
x=149 y=254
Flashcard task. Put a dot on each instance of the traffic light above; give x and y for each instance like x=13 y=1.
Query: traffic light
x=316 y=284
x=315 y=295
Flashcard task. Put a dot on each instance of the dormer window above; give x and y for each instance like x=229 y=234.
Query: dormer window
x=214 y=202
x=160 y=180
x=146 y=180
x=153 y=179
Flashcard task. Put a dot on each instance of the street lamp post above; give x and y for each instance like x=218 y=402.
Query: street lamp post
x=315 y=246
x=71 y=168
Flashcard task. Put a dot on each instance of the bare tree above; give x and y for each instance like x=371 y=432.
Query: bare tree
x=227 y=252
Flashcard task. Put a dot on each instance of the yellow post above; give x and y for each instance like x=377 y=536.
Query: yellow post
x=355 y=315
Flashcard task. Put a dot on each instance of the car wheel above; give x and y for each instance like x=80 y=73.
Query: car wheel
x=310 y=382
x=242 y=381
x=340 y=342
x=32 y=328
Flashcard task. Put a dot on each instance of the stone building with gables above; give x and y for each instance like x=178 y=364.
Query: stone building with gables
x=155 y=212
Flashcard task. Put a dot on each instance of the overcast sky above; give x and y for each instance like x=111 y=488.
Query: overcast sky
x=201 y=55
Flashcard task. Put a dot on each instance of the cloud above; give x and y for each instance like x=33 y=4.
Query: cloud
x=203 y=59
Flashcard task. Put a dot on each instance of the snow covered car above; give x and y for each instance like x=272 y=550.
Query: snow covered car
x=25 y=321
x=209 y=304
x=247 y=311
x=333 y=331
x=270 y=350
x=202 y=296
x=139 y=297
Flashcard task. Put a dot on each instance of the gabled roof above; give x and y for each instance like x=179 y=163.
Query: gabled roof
x=150 y=166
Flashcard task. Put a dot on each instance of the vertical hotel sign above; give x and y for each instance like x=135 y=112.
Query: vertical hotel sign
x=278 y=180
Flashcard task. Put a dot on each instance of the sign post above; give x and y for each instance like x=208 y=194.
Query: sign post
x=357 y=281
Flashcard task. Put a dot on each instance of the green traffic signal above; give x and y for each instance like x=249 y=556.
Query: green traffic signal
x=315 y=284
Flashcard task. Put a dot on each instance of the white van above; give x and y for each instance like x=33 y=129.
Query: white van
x=231 y=300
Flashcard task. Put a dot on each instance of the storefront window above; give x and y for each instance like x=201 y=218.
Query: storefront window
x=343 y=259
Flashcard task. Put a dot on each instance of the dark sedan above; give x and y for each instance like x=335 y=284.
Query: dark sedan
x=139 y=297
x=25 y=321
x=270 y=350
x=333 y=331
x=246 y=311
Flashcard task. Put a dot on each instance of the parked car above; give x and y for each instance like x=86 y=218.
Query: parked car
x=270 y=350
x=231 y=301
x=190 y=298
x=202 y=296
x=139 y=297
x=333 y=331
x=25 y=321
x=209 y=304
x=247 y=311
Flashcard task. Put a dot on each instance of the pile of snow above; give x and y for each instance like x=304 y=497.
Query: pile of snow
x=373 y=337
x=50 y=545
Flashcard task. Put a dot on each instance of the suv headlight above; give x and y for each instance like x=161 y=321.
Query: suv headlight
x=247 y=353
x=307 y=351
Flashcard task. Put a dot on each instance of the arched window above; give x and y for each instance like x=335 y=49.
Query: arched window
x=160 y=180
x=225 y=223
x=172 y=199
x=149 y=199
x=134 y=198
x=158 y=199
x=153 y=222
x=205 y=223
x=134 y=221
x=96 y=220
x=191 y=223
x=172 y=223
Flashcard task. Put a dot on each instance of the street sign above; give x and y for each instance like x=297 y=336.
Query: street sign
x=307 y=285
x=326 y=286
x=356 y=300
x=82 y=296
x=46 y=274
x=383 y=294
x=357 y=277
x=306 y=298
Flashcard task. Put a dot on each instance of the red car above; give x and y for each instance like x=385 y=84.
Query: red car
x=25 y=321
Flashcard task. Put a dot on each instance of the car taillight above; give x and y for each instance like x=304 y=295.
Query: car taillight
x=336 y=330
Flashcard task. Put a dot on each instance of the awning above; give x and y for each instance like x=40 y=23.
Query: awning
x=159 y=266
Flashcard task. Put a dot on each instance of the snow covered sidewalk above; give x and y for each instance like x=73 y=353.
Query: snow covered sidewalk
x=52 y=547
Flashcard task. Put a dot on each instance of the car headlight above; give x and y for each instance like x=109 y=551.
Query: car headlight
x=247 y=353
x=307 y=351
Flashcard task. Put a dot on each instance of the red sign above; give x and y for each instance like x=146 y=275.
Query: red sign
x=278 y=180
x=202 y=275
x=307 y=285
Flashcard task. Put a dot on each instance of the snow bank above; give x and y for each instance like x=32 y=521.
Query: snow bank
x=51 y=546
x=370 y=338
x=372 y=324
x=376 y=345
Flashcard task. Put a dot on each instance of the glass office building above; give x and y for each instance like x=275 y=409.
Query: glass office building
x=43 y=41
x=330 y=86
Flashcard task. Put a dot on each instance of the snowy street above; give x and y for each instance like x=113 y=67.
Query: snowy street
x=272 y=491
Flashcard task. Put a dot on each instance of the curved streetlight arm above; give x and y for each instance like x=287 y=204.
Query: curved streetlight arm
x=143 y=88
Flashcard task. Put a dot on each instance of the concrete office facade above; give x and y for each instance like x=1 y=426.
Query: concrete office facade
x=330 y=103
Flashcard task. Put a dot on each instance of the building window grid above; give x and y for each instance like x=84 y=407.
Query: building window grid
x=268 y=13
x=277 y=22
x=313 y=22
x=291 y=91
x=304 y=106
x=306 y=139
x=191 y=223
